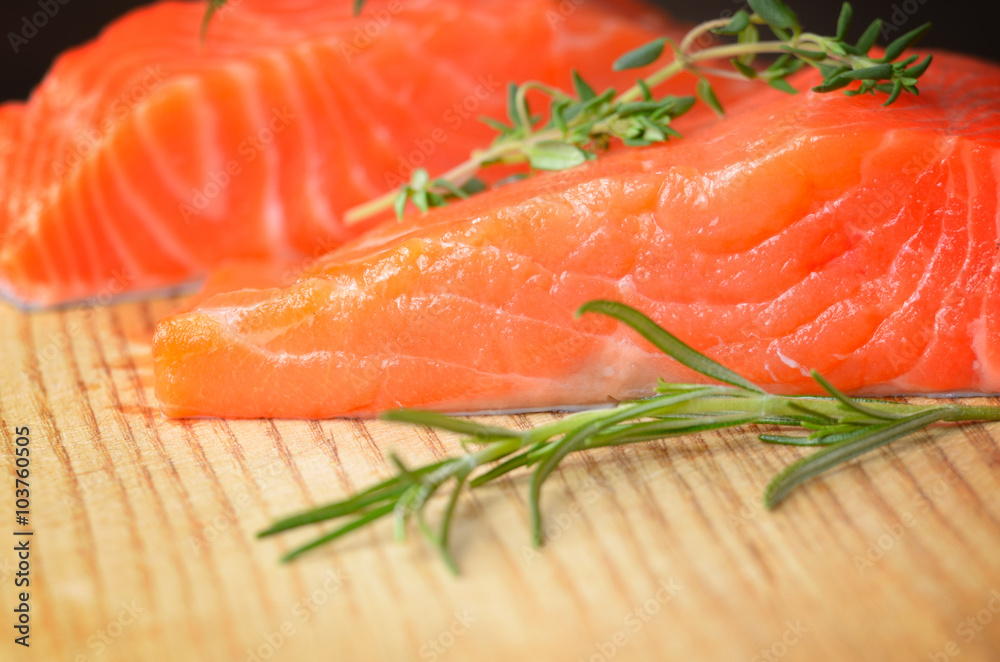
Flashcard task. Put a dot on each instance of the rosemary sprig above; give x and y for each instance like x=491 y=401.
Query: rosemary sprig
x=845 y=427
x=583 y=122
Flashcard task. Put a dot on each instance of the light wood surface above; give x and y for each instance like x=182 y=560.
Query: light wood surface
x=144 y=542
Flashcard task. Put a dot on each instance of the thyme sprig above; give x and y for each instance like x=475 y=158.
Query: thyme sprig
x=844 y=427
x=581 y=123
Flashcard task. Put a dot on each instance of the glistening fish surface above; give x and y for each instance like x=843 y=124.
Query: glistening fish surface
x=804 y=232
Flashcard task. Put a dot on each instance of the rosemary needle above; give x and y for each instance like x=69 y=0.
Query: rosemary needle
x=843 y=427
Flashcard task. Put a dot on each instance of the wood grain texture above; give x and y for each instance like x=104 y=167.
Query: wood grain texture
x=145 y=549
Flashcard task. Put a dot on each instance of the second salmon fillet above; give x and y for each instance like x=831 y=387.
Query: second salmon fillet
x=145 y=158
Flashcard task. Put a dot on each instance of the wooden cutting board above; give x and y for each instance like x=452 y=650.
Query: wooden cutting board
x=144 y=542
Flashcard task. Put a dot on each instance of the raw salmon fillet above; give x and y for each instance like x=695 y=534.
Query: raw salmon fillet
x=145 y=158
x=814 y=231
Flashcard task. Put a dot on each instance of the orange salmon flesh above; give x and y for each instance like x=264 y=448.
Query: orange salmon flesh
x=807 y=231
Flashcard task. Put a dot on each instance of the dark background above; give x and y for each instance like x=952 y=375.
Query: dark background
x=962 y=25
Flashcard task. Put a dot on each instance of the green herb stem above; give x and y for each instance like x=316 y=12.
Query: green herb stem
x=695 y=33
